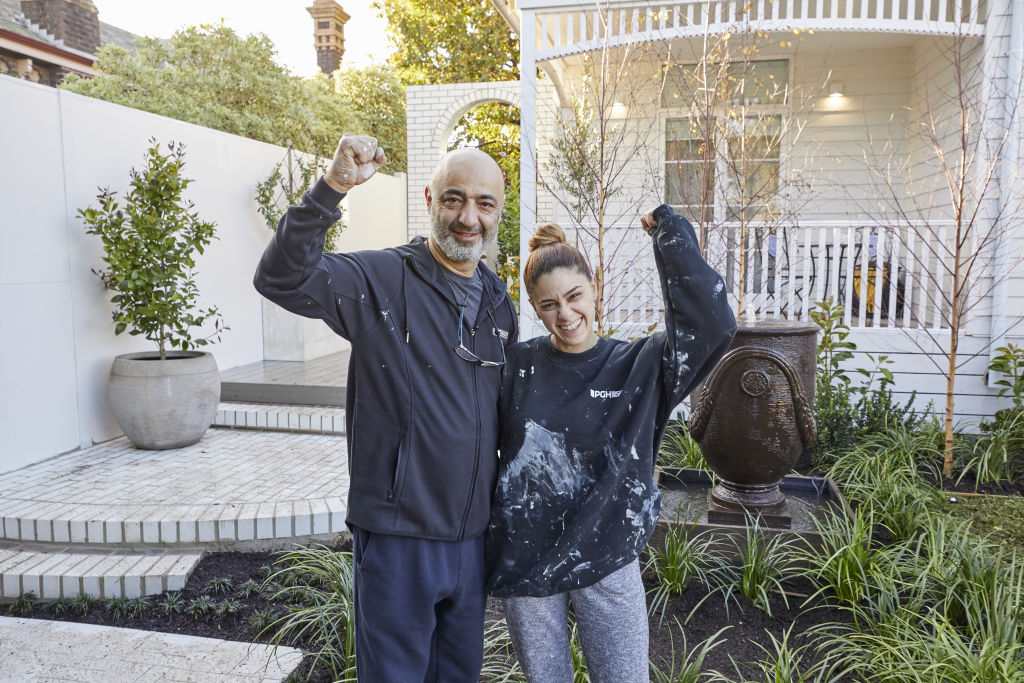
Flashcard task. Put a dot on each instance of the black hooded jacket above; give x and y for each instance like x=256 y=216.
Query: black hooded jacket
x=576 y=497
x=422 y=423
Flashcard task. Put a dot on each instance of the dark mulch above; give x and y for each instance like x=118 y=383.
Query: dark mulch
x=238 y=567
x=748 y=625
x=968 y=485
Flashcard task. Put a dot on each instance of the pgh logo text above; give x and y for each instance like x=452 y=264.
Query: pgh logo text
x=605 y=393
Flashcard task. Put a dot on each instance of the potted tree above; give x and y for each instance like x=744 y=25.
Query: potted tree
x=168 y=397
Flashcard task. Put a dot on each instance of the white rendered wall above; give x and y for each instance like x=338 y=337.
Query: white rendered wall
x=374 y=216
x=58 y=341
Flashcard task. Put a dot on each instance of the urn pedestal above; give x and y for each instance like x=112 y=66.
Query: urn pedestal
x=753 y=418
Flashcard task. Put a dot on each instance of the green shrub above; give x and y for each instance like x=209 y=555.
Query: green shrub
x=692 y=664
x=172 y=603
x=117 y=608
x=784 y=663
x=82 y=604
x=833 y=407
x=198 y=608
x=138 y=606
x=23 y=605
x=219 y=585
x=61 y=607
x=681 y=558
x=150 y=246
x=845 y=414
x=679 y=449
x=324 y=622
x=998 y=453
x=764 y=563
x=845 y=565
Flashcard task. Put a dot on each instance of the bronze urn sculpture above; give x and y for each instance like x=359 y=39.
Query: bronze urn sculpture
x=753 y=418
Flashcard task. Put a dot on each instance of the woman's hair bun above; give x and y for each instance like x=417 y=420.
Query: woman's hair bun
x=549 y=233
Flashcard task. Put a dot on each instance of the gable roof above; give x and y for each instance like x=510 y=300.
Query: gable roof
x=13 y=20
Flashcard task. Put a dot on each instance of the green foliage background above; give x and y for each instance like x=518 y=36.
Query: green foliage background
x=211 y=76
x=448 y=41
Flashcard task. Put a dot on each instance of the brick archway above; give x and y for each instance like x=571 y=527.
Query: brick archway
x=431 y=114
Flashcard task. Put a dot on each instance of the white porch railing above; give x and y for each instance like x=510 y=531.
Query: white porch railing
x=884 y=277
x=565 y=27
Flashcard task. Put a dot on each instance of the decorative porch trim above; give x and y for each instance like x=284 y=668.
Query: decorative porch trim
x=567 y=27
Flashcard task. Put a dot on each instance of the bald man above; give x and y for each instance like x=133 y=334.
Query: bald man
x=428 y=324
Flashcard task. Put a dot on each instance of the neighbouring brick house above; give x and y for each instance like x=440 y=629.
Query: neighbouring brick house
x=44 y=40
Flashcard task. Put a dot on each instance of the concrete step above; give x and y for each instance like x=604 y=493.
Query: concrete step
x=281 y=417
x=237 y=489
x=295 y=394
x=66 y=572
x=224 y=526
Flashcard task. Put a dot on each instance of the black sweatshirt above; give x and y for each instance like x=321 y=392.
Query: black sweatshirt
x=576 y=498
x=421 y=421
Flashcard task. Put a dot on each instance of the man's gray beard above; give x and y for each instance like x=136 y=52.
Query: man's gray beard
x=455 y=250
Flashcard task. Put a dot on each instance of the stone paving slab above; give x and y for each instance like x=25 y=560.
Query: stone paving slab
x=229 y=487
x=35 y=650
x=273 y=417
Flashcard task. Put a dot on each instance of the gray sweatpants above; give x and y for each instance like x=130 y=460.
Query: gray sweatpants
x=612 y=619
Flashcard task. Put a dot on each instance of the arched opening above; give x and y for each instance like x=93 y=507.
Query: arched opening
x=493 y=126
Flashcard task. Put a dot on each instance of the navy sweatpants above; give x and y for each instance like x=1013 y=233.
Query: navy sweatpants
x=419 y=608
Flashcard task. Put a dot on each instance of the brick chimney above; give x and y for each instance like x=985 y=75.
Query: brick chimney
x=76 y=22
x=328 y=33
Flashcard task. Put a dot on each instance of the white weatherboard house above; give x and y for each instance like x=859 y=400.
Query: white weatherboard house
x=843 y=105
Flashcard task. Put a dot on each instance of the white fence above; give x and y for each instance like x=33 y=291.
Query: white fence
x=884 y=277
x=904 y=315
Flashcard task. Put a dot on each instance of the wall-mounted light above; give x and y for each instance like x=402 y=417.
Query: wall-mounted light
x=619 y=110
x=835 y=89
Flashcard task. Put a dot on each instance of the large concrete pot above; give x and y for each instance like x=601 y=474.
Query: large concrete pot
x=753 y=415
x=164 y=403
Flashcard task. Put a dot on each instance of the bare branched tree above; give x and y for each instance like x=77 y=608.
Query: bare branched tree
x=602 y=169
x=742 y=117
x=949 y=200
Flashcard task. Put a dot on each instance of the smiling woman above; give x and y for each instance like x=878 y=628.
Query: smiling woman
x=561 y=290
x=581 y=419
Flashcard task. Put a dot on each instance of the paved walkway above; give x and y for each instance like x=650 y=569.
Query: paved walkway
x=64 y=520
x=231 y=487
x=38 y=650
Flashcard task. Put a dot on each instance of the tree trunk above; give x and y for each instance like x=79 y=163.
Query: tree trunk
x=954 y=334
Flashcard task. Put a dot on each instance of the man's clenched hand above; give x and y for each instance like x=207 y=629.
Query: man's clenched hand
x=355 y=161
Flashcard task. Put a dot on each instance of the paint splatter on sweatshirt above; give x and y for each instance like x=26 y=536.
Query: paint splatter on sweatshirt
x=576 y=498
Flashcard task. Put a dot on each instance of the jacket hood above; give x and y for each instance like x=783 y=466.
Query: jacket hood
x=416 y=255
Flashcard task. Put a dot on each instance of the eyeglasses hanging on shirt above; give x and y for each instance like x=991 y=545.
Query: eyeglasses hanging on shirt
x=465 y=354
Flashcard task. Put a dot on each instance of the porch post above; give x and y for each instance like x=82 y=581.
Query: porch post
x=527 y=160
x=1010 y=178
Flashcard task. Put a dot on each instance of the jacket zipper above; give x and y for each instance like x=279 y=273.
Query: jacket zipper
x=476 y=456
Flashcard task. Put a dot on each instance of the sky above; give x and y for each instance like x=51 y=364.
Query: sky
x=285 y=22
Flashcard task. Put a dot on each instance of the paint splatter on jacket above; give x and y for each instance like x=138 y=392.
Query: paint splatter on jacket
x=421 y=421
x=576 y=498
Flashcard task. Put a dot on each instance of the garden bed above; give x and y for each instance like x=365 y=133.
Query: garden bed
x=746 y=626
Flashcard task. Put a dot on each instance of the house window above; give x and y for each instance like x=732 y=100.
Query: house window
x=689 y=164
x=723 y=151
x=751 y=177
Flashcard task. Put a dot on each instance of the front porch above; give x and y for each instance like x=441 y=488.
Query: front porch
x=852 y=110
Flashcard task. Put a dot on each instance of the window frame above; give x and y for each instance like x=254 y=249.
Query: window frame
x=721 y=205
